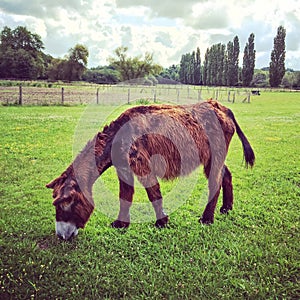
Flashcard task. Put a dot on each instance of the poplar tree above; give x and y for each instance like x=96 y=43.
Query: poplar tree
x=205 y=75
x=277 y=64
x=192 y=67
x=230 y=64
x=214 y=65
x=233 y=51
x=221 y=64
x=248 y=61
x=197 y=74
x=236 y=53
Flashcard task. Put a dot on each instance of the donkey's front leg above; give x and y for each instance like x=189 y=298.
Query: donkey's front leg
x=126 y=195
x=155 y=197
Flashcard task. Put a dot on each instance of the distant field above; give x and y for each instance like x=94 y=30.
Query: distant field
x=44 y=93
x=252 y=253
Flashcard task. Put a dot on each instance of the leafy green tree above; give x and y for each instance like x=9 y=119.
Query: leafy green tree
x=214 y=64
x=236 y=53
x=133 y=67
x=213 y=57
x=296 y=80
x=277 y=64
x=58 y=69
x=197 y=70
x=220 y=64
x=102 y=75
x=21 y=54
x=72 y=67
x=192 y=67
x=77 y=62
x=260 y=79
x=233 y=51
x=205 y=74
x=291 y=79
x=248 y=61
x=184 y=69
x=170 y=74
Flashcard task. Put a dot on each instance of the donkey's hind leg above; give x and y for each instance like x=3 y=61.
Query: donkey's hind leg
x=227 y=191
x=214 y=186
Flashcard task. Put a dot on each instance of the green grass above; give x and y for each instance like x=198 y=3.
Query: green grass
x=251 y=253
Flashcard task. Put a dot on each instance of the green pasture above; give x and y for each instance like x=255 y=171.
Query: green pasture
x=252 y=253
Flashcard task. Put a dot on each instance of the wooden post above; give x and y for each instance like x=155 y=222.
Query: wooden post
x=20 y=95
x=178 y=95
x=128 y=99
x=97 y=95
x=233 y=99
x=228 y=96
x=154 y=96
x=199 y=94
x=62 y=96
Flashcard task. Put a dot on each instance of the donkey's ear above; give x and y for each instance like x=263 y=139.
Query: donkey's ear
x=52 y=184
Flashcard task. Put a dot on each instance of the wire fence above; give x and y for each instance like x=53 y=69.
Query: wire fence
x=119 y=94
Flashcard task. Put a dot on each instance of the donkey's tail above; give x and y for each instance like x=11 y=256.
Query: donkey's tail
x=248 y=151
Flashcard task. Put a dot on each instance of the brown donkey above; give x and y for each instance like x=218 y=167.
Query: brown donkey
x=164 y=141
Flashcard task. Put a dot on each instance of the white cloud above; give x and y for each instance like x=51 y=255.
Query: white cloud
x=166 y=28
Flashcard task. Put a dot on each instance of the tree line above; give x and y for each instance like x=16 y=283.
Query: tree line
x=22 y=57
x=220 y=66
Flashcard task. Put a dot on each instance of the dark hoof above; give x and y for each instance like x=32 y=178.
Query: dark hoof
x=206 y=221
x=161 y=223
x=225 y=210
x=120 y=224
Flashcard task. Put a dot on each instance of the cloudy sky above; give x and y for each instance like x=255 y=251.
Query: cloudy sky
x=166 y=28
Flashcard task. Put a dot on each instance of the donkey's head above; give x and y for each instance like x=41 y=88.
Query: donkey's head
x=73 y=209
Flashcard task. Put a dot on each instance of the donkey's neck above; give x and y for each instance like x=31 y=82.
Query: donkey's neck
x=93 y=160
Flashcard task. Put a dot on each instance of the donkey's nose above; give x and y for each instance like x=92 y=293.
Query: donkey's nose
x=66 y=230
x=64 y=237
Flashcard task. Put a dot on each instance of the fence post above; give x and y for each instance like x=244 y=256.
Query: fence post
x=128 y=99
x=154 y=96
x=178 y=92
x=20 y=95
x=62 y=96
x=97 y=95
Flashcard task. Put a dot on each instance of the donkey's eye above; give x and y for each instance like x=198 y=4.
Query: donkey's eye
x=66 y=205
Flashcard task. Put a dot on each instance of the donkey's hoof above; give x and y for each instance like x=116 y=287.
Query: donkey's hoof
x=161 y=223
x=120 y=224
x=225 y=210
x=206 y=221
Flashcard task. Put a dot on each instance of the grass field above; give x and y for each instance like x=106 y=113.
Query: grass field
x=252 y=253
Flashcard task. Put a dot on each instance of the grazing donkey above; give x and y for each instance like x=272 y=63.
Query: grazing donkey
x=152 y=141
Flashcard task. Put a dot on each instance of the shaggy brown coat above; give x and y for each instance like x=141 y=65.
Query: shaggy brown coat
x=153 y=141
